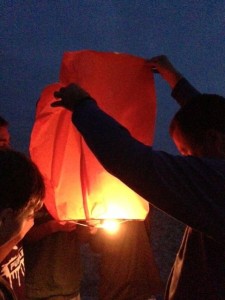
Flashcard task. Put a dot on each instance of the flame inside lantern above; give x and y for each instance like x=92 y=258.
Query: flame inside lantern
x=111 y=226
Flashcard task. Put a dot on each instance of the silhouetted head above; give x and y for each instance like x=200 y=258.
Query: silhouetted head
x=21 y=192
x=20 y=180
x=4 y=133
x=198 y=128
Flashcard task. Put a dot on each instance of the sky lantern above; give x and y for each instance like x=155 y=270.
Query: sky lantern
x=78 y=187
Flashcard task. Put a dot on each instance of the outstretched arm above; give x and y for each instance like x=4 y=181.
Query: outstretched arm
x=41 y=231
x=45 y=225
x=177 y=185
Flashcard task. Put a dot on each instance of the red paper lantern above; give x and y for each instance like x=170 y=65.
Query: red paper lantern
x=78 y=187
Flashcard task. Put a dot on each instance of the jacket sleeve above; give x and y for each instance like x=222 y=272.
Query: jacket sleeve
x=183 y=92
x=189 y=189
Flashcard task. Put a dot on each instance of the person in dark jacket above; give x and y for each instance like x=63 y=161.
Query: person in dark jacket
x=190 y=188
x=128 y=254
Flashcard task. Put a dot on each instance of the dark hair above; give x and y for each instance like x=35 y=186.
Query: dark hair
x=21 y=183
x=203 y=113
x=3 y=122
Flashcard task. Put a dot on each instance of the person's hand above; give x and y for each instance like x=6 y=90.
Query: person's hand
x=92 y=228
x=165 y=68
x=70 y=96
x=66 y=226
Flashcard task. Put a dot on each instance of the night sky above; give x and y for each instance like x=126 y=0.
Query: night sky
x=34 y=35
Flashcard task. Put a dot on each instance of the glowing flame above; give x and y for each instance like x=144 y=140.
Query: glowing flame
x=111 y=226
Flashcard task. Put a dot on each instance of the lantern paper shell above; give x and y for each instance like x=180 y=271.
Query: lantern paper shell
x=78 y=187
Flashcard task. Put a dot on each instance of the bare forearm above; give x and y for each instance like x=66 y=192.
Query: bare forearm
x=39 y=232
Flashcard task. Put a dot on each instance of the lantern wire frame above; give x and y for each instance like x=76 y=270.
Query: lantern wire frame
x=110 y=225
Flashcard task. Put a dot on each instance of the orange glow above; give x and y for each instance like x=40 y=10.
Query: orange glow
x=78 y=187
x=111 y=226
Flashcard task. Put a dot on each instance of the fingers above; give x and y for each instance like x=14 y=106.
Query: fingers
x=56 y=104
x=68 y=226
x=69 y=97
x=158 y=61
x=166 y=69
x=71 y=89
x=60 y=94
x=57 y=94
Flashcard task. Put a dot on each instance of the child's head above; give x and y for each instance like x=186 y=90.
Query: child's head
x=198 y=128
x=21 y=192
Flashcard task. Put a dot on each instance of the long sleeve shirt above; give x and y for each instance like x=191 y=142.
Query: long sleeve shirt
x=190 y=189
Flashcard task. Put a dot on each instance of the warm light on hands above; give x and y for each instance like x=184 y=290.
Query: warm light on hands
x=111 y=226
x=65 y=226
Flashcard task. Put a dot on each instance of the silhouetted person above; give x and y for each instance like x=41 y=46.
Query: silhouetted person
x=190 y=188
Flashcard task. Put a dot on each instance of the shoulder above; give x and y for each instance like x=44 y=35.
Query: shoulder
x=6 y=293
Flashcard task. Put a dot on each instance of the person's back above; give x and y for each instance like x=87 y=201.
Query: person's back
x=198 y=130
x=127 y=265
x=52 y=259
